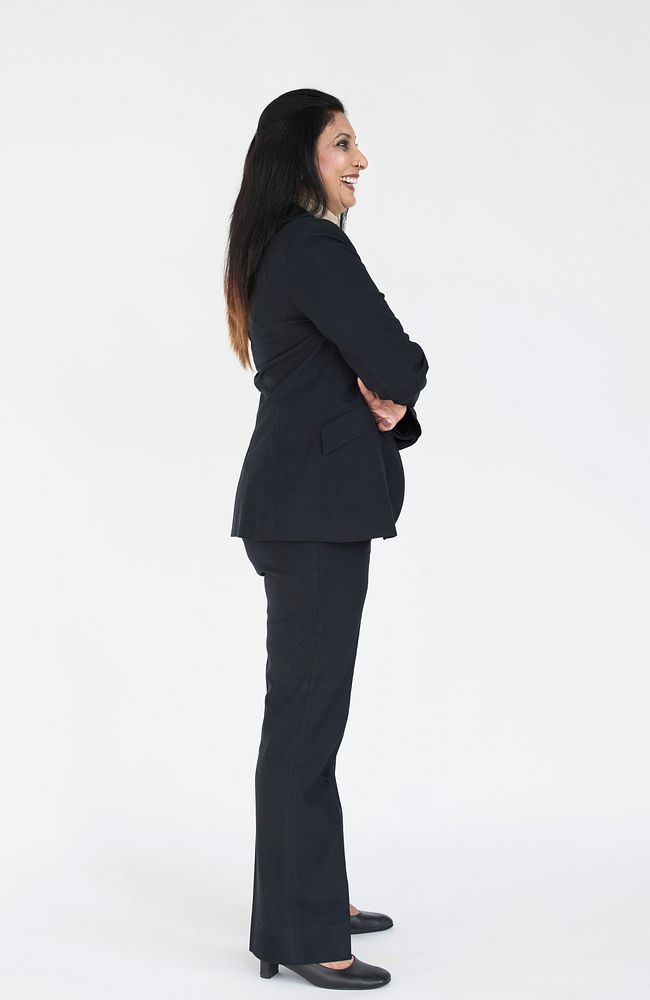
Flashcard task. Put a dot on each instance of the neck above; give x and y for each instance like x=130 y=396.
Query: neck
x=330 y=215
x=326 y=215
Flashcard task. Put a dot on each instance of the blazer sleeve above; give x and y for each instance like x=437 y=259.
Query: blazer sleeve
x=331 y=286
x=407 y=430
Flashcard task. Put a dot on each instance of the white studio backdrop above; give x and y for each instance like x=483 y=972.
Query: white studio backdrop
x=494 y=772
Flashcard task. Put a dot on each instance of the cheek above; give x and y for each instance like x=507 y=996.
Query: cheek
x=330 y=164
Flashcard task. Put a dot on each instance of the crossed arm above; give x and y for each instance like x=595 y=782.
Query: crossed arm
x=333 y=288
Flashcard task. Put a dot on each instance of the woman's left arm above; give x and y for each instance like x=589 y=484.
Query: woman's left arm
x=407 y=430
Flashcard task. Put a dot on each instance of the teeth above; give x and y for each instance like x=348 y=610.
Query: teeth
x=350 y=180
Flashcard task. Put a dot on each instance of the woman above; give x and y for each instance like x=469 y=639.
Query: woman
x=338 y=379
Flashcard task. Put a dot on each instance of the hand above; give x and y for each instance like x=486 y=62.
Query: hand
x=385 y=411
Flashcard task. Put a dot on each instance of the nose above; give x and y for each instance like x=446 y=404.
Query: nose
x=360 y=160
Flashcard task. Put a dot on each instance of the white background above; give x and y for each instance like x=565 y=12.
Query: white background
x=494 y=772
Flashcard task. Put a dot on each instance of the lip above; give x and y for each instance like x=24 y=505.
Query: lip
x=347 y=186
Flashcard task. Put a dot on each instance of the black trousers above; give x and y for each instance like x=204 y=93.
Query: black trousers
x=315 y=597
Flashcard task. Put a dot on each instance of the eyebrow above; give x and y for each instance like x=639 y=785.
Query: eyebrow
x=346 y=134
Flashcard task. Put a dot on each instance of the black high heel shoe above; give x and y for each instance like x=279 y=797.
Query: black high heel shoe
x=365 y=921
x=357 y=976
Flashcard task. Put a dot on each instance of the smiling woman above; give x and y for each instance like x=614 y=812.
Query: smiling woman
x=339 y=162
x=338 y=379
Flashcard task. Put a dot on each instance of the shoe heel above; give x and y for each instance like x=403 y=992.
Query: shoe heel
x=268 y=969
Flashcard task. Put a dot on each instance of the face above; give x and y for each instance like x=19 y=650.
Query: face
x=338 y=156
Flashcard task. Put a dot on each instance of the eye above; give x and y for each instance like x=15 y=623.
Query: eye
x=343 y=142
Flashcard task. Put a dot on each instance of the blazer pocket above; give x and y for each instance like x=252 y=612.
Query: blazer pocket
x=346 y=427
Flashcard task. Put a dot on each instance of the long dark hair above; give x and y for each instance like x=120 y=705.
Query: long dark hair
x=280 y=175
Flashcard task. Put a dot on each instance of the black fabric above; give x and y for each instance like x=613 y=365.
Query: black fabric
x=315 y=597
x=317 y=466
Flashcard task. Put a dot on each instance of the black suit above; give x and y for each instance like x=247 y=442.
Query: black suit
x=319 y=481
x=317 y=467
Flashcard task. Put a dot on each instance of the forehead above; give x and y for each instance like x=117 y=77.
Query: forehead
x=339 y=127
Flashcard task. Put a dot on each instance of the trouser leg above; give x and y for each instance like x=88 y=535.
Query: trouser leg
x=315 y=596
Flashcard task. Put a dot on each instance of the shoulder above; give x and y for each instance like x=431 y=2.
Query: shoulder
x=307 y=231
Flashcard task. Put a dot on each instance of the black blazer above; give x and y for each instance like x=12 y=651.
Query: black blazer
x=317 y=467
